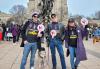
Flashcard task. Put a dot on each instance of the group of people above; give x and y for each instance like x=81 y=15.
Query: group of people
x=10 y=31
x=56 y=33
x=92 y=31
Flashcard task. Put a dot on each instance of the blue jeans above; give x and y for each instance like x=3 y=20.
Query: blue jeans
x=72 y=51
x=27 y=48
x=58 y=44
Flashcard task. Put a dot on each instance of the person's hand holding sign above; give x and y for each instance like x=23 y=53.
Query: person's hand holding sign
x=84 y=22
x=53 y=33
x=40 y=29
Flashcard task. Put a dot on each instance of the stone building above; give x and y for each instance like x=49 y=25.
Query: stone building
x=59 y=7
x=4 y=17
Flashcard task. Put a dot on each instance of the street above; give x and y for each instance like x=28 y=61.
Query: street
x=11 y=55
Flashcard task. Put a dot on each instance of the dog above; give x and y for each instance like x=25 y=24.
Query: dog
x=42 y=61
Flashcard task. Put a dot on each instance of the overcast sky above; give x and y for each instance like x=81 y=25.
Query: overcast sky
x=82 y=7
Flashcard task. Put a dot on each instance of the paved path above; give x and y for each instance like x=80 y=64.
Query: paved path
x=10 y=56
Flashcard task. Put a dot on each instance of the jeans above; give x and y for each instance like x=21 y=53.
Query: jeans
x=58 y=44
x=72 y=51
x=27 y=48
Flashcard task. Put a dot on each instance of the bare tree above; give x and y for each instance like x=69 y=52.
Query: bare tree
x=18 y=12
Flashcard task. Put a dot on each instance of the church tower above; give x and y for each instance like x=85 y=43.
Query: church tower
x=33 y=7
x=59 y=7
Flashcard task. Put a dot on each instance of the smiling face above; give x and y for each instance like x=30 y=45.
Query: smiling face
x=71 y=24
x=54 y=18
x=35 y=18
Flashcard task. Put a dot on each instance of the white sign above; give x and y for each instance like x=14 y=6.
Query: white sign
x=84 y=21
x=53 y=33
x=40 y=27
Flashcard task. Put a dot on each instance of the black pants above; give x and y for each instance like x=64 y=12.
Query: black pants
x=14 y=39
x=87 y=37
x=8 y=38
x=18 y=37
x=39 y=44
x=90 y=35
x=3 y=35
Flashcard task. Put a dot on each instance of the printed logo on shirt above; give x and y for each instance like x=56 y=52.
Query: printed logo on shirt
x=73 y=36
x=31 y=32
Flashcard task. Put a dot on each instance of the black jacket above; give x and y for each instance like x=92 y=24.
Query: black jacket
x=31 y=38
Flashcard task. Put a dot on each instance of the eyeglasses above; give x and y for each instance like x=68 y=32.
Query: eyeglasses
x=71 y=22
x=53 y=17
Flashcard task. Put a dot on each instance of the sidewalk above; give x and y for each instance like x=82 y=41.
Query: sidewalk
x=10 y=56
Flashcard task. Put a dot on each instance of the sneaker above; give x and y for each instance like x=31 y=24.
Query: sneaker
x=32 y=67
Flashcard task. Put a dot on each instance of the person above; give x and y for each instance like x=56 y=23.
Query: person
x=8 y=33
x=74 y=43
x=30 y=36
x=1 y=30
x=14 y=31
x=19 y=31
x=86 y=29
x=96 y=35
x=90 y=32
x=99 y=33
x=4 y=30
x=56 y=41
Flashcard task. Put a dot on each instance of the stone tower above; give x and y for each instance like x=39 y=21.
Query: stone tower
x=33 y=7
x=59 y=7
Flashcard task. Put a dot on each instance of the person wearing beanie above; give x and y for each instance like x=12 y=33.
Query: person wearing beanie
x=74 y=43
x=30 y=37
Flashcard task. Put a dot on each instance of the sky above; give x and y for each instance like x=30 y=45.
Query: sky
x=6 y=5
x=82 y=7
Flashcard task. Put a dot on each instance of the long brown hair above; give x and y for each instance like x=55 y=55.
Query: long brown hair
x=70 y=21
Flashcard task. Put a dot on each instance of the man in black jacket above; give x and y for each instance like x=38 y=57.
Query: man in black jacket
x=30 y=36
x=55 y=36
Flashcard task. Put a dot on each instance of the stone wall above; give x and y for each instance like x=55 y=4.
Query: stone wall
x=4 y=17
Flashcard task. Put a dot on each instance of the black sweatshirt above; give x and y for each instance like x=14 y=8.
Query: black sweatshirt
x=29 y=31
x=72 y=38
